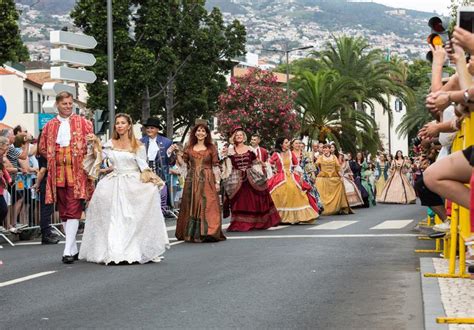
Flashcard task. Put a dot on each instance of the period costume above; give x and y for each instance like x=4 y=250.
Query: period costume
x=290 y=192
x=63 y=144
x=383 y=176
x=331 y=187
x=309 y=172
x=262 y=155
x=367 y=179
x=397 y=190
x=356 y=169
x=352 y=192
x=159 y=159
x=124 y=218
x=250 y=201
x=199 y=217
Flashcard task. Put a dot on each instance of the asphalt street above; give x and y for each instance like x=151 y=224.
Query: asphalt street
x=356 y=271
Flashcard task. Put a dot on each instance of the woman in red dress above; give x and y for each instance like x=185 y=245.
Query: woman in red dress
x=250 y=201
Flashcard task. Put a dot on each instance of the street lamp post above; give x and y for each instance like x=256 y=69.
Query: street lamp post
x=287 y=56
x=110 y=63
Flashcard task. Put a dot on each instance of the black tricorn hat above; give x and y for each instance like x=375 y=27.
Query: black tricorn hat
x=155 y=122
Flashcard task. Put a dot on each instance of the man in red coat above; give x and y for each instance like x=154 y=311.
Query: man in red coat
x=64 y=144
x=262 y=154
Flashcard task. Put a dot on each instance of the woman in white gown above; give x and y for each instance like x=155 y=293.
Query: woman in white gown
x=124 y=222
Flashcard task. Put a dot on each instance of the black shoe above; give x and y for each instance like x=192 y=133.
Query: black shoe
x=50 y=239
x=68 y=259
x=436 y=235
x=76 y=256
x=169 y=215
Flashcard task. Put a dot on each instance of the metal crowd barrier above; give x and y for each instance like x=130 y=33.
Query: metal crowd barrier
x=24 y=208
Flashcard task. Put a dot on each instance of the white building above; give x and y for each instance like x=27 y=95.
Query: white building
x=23 y=98
x=391 y=141
x=23 y=95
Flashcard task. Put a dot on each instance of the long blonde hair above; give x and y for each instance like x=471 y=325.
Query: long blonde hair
x=134 y=143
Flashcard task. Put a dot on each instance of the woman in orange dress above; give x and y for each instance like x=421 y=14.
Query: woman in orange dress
x=200 y=218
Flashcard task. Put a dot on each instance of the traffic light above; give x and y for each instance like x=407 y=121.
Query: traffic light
x=101 y=121
x=439 y=35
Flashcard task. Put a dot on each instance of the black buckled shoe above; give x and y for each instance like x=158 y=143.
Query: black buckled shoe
x=68 y=259
x=76 y=256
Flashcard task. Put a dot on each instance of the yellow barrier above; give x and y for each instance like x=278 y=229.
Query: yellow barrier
x=460 y=226
x=438 y=240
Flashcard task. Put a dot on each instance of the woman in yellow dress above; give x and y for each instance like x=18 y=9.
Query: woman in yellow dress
x=330 y=185
x=288 y=190
x=382 y=165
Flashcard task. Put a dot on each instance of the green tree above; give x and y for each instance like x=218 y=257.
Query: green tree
x=418 y=78
x=325 y=100
x=300 y=65
x=380 y=79
x=171 y=56
x=11 y=45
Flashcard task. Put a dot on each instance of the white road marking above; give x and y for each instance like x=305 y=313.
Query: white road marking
x=333 y=225
x=277 y=228
x=176 y=243
x=26 y=278
x=392 y=224
x=169 y=228
x=323 y=236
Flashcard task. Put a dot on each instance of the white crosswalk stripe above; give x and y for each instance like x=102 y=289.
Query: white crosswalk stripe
x=333 y=225
x=392 y=224
x=277 y=228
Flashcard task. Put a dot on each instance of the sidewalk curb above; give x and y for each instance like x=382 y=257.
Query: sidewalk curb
x=432 y=305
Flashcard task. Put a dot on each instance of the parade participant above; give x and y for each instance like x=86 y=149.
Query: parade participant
x=308 y=170
x=199 y=218
x=352 y=192
x=356 y=168
x=330 y=185
x=64 y=146
x=367 y=179
x=398 y=190
x=315 y=150
x=250 y=201
x=383 y=165
x=160 y=155
x=288 y=194
x=124 y=219
x=262 y=154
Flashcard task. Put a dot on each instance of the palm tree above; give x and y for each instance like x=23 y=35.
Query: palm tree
x=414 y=120
x=379 y=78
x=325 y=102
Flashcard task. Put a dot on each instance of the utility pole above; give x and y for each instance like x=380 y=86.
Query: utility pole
x=110 y=62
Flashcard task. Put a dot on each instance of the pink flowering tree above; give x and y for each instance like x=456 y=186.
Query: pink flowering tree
x=258 y=104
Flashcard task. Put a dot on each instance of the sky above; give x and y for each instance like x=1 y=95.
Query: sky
x=441 y=6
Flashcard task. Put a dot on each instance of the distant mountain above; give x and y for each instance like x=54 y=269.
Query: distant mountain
x=331 y=14
x=50 y=6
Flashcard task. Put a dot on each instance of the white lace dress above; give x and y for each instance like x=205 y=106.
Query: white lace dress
x=124 y=221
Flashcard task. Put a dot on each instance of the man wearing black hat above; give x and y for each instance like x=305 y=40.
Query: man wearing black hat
x=160 y=156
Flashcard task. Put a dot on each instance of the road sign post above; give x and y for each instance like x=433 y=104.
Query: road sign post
x=64 y=55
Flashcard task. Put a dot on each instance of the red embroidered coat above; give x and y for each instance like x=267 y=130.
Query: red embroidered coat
x=80 y=127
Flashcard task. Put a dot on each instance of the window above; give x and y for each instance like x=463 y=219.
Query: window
x=25 y=97
x=31 y=102
x=398 y=105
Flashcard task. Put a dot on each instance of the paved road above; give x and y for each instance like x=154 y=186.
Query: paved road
x=347 y=272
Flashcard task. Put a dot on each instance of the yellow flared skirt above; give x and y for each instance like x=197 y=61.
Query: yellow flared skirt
x=292 y=203
x=333 y=195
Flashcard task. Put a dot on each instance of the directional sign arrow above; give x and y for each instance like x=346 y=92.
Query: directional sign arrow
x=70 y=74
x=53 y=89
x=49 y=106
x=71 y=56
x=75 y=40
